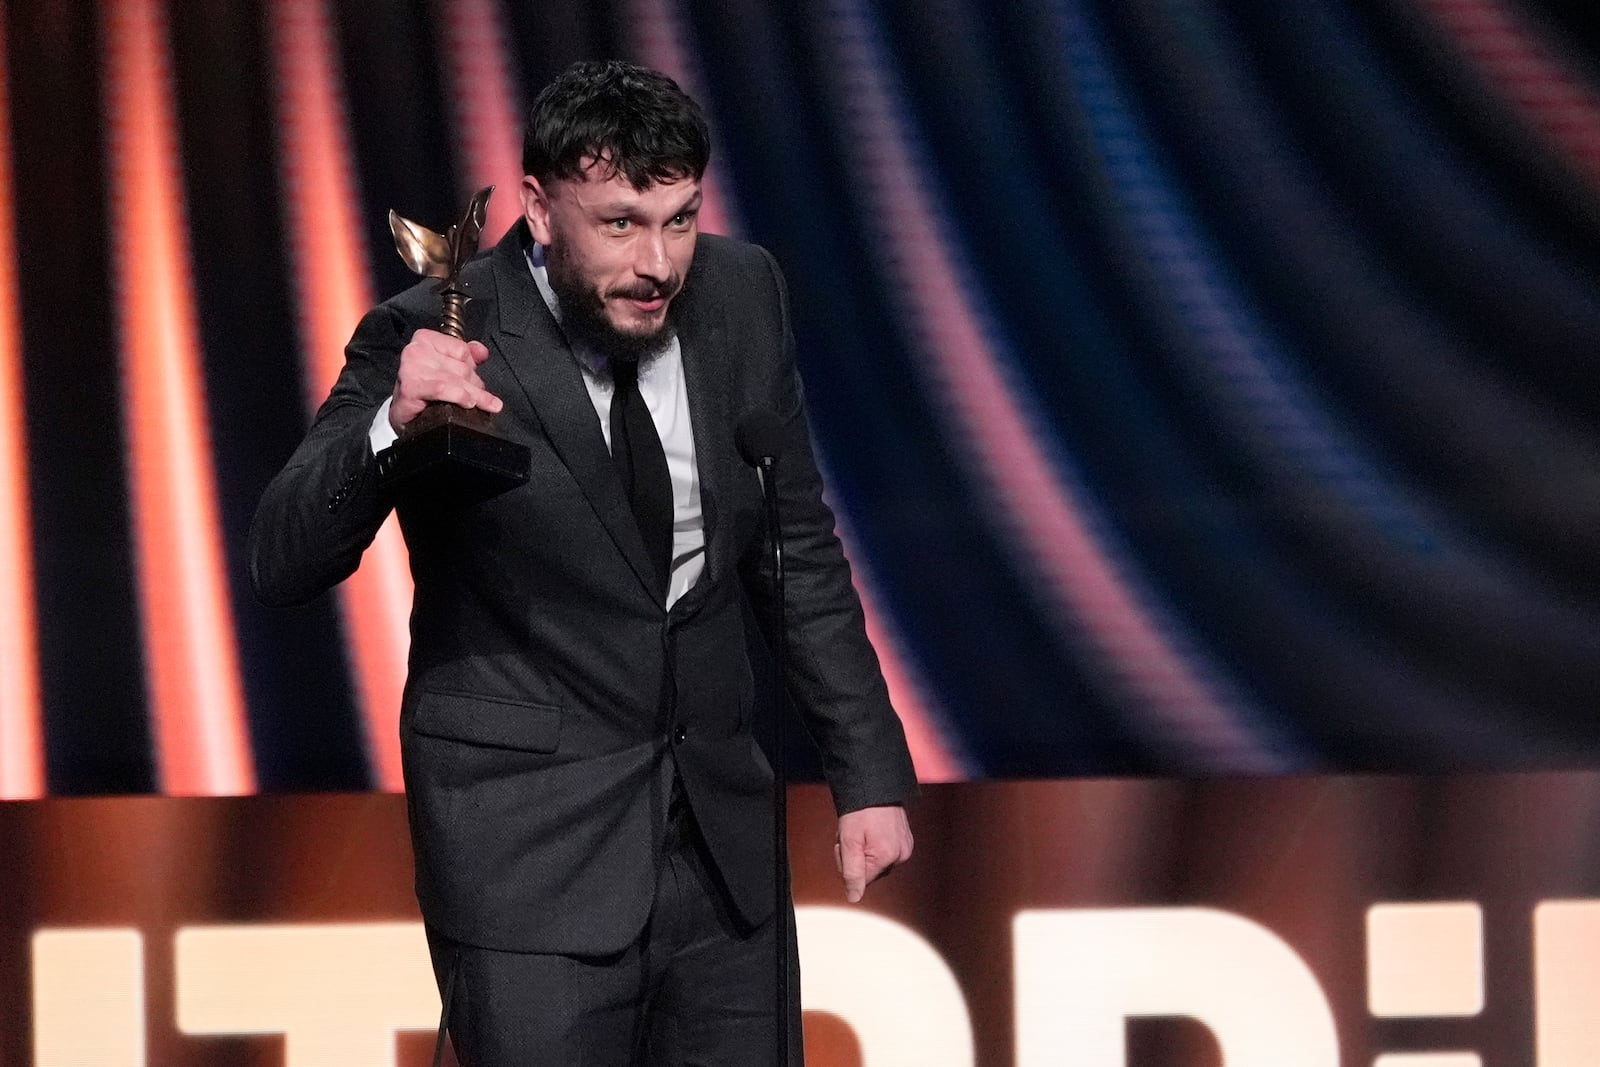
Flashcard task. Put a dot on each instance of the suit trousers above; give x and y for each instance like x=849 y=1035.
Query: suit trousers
x=694 y=990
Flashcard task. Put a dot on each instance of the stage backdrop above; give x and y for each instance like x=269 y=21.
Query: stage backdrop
x=1204 y=387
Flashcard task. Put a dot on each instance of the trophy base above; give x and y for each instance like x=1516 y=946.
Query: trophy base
x=451 y=452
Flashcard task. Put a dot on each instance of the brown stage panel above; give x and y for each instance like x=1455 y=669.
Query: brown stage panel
x=1241 y=923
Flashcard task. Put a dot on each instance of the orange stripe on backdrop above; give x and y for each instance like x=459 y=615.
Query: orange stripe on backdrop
x=191 y=663
x=334 y=290
x=485 y=110
x=656 y=40
x=22 y=775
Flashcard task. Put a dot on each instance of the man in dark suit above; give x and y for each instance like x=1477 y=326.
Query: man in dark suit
x=590 y=812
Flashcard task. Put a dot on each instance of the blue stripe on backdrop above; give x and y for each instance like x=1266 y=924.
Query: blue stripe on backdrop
x=1265 y=414
x=1031 y=492
x=1489 y=618
x=892 y=468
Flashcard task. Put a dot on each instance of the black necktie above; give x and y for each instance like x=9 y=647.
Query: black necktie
x=636 y=450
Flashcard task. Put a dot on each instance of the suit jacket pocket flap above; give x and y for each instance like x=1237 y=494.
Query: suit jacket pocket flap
x=481 y=720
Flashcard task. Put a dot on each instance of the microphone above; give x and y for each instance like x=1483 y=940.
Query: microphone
x=759 y=437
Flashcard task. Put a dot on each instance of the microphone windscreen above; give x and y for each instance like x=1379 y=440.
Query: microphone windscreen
x=760 y=437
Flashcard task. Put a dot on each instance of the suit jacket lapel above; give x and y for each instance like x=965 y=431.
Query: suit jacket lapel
x=702 y=336
x=538 y=357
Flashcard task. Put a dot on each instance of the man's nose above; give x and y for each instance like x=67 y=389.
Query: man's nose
x=650 y=259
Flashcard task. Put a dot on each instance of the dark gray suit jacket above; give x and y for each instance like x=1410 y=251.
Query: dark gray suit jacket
x=550 y=695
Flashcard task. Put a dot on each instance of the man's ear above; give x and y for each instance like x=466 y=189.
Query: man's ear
x=536 y=208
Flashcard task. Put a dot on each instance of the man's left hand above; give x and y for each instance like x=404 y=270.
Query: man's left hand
x=872 y=842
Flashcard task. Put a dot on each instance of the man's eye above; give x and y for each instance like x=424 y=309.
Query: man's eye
x=619 y=225
x=681 y=220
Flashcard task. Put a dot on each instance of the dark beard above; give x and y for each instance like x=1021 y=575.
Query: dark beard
x=583 y=313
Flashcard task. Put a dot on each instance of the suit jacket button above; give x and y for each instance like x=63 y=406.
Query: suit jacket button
x=679 y=734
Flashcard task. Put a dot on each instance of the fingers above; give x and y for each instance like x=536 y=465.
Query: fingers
x=872 y=842
x=853 y=868
x=437 y=367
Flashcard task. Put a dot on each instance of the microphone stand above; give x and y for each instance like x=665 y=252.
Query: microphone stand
x=782 y=934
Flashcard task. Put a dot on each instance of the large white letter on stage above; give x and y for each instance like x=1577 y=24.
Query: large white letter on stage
x=1566 y=982
x=337 y=993
x=88 y=998
x=1080 y=975
x=888 y=984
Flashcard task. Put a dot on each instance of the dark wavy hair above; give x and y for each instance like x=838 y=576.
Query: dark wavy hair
x=626 y=119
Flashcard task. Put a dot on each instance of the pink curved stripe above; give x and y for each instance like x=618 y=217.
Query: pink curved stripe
x=22 y=763
x=485 y=109
x=333 y=292
x=1544 y=91
x=656 y=39
x=1087 y=589
x=933 y=751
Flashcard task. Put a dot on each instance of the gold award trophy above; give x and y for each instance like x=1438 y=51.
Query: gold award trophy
x=447 y=447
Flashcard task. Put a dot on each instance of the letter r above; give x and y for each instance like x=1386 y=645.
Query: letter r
x=1081 y=974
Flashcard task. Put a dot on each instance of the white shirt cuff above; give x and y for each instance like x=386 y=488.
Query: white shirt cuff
x=382 y=435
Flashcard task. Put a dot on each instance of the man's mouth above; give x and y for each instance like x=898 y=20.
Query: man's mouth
x=646 y=299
